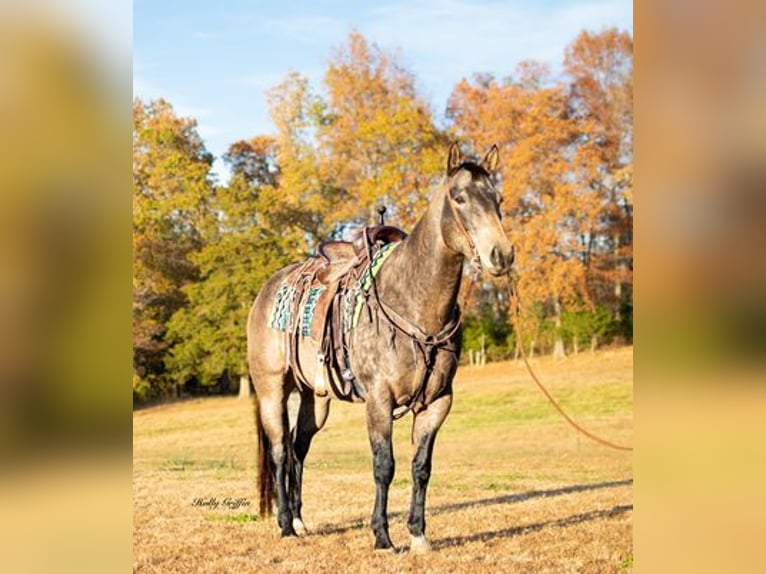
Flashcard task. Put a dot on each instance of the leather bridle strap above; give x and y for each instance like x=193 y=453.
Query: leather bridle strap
x=475 y=259
x=406 y=326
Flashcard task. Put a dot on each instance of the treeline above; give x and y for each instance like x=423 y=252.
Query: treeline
x=365 y=137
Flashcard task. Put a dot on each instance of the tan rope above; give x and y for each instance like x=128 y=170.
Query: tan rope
x=514 y=308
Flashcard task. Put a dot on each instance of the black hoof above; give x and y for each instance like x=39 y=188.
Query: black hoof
x=384 y=546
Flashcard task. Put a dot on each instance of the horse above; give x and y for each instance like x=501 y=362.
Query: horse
x=408 y=366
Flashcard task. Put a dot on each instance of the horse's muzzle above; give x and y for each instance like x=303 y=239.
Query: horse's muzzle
x=501 y=260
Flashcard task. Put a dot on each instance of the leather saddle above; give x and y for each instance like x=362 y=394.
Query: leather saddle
x=341 y=256
x=337 y=266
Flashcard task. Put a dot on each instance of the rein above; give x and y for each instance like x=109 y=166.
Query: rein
x=426 y=342
x=514 y=311
x=409 y=328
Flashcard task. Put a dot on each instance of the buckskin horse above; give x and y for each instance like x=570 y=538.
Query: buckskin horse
x=374 y=321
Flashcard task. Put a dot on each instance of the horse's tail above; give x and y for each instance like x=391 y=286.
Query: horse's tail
x=266 y=479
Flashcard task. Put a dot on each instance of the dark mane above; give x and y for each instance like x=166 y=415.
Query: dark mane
x=474 y=168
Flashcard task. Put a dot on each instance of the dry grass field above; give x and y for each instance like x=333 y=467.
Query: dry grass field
x=513 y=489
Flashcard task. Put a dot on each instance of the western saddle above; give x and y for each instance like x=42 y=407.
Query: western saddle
x=335 y=273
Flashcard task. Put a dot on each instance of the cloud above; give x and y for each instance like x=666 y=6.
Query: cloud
x=307 y=29
x=450 y=39
x=262 y=80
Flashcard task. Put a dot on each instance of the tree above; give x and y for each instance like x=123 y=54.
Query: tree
x=254 y=160
x=378 y=141
x=547 y=212
x=566 y=173
x=290 y=191
x=304 y=197
x=202 y=251
x=370 y=140
x=241 y=252
x=172 y=188
x=600 y=66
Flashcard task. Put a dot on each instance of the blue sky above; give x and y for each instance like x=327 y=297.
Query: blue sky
x=216 y=60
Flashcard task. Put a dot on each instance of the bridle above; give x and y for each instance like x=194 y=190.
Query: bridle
x=444 y=339
x=429 y=344
x=409 y=328
x=475 y=260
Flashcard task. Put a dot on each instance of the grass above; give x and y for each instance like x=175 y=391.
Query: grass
x=241 y=517
x=627 y=562
x=513 y=488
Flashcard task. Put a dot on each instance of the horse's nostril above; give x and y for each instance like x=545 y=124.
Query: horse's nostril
x=500 y=258
x=495 y=257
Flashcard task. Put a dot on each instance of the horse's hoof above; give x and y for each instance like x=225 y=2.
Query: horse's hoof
x=289 y=533
x=419 y=545
x=384 y=547
x=299 y=527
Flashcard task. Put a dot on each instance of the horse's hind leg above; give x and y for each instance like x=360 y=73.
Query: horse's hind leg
x=312 y=416
x=273 y=414
x=425 y=425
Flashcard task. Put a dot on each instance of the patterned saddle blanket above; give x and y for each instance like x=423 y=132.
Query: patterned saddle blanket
x=322 y=299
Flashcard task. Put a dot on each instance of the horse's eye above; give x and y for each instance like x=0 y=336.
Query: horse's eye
x=460 y=199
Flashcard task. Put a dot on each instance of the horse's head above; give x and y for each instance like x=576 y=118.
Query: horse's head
x=471 y=221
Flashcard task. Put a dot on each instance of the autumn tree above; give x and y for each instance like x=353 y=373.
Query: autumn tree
x=369 y=138
x=171 y=207
x=305 y=197
x=366 y=137
x=566 y=176
x=378 y=141
x=547 y=213
x=329 y=163
x=600 y=68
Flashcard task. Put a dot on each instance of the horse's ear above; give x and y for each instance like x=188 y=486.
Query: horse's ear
x=455 y=157
x=491 y=161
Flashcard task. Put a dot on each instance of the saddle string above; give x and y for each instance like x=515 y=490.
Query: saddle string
x=293 y=337
x=514 y=302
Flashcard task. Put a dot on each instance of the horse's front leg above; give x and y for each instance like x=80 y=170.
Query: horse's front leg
x=379 y=426
x=425 y=425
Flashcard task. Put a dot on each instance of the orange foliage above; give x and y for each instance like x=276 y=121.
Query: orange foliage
x=371 y=140
x=379 y=143
x=566 y=171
